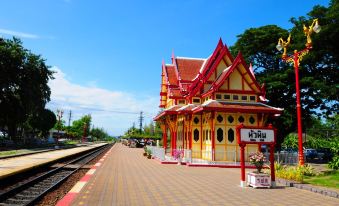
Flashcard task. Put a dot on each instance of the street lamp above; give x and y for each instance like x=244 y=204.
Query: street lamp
x=295 y=60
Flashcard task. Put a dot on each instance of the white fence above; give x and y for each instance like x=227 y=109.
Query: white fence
x=157 y=152
x=284 y=158
x=221 y=157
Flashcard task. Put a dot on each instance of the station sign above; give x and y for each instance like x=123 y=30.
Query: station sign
x=256 y=135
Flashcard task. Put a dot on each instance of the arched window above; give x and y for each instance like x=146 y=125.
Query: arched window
x=196 y=135
x=206 y=134
x=219 y=118
x=220 y=135
x=230 y=135
x=241 y=119
x=203 y=135
x=252 y=120
x=196 y=120
x=230 y=119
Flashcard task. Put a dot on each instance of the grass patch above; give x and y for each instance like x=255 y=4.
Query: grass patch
x=13 y=152
x=7 y=153
x=330 y=179
x=70 y=142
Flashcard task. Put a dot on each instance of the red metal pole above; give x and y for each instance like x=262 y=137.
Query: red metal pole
x=272 y=165
x=175 y=139
x=242 y=165
x=172 y=143
x=190 y=138
x=183 y=135
x=213 y=144
x=165 y=139
x=300 y=139
x=190 y=132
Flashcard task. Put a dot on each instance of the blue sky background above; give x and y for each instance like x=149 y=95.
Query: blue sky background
x=108 y=53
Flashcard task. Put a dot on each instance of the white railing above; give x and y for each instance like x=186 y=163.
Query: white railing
x=157 y=152
x=221 y=157
x=286 y=158
x=205 y=157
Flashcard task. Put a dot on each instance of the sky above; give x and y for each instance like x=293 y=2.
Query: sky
x=107 y=54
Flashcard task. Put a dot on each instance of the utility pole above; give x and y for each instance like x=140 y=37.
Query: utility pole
x=141 y=118
x=69 y=118
x=59 y=114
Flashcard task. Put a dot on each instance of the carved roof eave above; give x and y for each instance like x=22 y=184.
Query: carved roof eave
x=218 y=54
x=218 y=82
x=213 y=105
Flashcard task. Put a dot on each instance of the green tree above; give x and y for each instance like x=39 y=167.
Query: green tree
x=318 y=70
x=42 y=121
x=291 y=141
x=23 y=85
x=81 y=126
x=99 y=134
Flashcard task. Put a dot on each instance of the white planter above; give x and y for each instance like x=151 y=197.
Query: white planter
x=258 y=180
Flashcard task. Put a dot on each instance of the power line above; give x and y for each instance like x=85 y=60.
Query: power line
x=102 y=110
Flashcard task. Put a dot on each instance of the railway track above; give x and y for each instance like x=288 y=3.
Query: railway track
x=33 y=190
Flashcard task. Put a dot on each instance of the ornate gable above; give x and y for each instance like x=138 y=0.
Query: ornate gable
x=234 y=78
x=189 y=77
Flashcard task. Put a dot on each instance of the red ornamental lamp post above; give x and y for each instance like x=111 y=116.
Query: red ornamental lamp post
x=295 y=60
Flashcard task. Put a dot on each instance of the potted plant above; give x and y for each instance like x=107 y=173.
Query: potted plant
x=177 y=155
x=257 y=178
x=149 y=153
x=145 y=151
x=257 y=159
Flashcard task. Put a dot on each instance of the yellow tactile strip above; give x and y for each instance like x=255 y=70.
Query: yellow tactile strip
x=128 y=178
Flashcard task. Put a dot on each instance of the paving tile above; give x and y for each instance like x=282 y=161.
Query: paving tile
x=126 y=177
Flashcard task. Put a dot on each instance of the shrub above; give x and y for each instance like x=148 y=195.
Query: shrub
x=334 y=164
x=295 y=173
x=149 y=153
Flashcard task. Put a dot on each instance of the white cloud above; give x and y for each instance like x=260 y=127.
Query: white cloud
x=19 y=34
x=115 y=111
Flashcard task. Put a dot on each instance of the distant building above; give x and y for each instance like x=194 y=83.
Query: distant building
x=203 y=101
x=55 y=134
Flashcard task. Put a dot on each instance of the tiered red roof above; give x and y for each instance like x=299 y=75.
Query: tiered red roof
x=186 y=76
x=171 y=75
x=188 y=68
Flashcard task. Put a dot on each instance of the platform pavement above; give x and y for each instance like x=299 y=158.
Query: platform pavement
x=19 y=164
x=128 y=178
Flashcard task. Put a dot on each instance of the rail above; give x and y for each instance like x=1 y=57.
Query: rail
x=32 y=191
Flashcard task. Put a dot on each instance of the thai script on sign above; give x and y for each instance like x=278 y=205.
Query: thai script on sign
x=256 y=135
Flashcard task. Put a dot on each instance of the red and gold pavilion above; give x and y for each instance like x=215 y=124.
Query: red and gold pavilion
x=203 y=101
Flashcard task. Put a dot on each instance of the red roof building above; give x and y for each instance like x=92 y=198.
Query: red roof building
x=203 y=100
